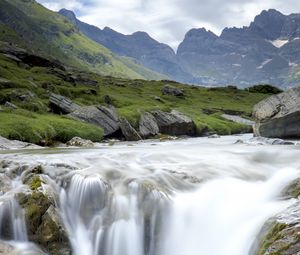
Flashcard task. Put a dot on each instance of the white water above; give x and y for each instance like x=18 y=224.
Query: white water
x=190 y=197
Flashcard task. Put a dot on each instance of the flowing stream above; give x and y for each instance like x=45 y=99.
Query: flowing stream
x=187 y=197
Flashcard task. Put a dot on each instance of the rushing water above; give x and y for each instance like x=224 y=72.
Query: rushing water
x=187 y=197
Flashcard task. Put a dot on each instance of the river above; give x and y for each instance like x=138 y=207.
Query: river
x=185 y=197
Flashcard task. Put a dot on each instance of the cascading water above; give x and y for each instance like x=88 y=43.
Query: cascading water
x=189 y=197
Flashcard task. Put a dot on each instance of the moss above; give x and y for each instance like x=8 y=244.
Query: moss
x=273 y=234
x=35 y=183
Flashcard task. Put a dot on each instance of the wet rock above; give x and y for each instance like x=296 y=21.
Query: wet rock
x=79 y=142
x=60 y=104
x=174 y=123
x=214 y=136
x=280 y=235
x=278 y=115
x=101 y=116
x=6 y=144
x=172 y=91
x=148 y=126
x=52 y=234
x=293 y=190
x=128 y=131
x=35 y=205
x=5 y=184
x=265 y=141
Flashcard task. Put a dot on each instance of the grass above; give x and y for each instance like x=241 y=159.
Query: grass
x=44 y=129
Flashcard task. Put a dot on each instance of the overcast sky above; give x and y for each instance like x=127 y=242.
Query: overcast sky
x=168 y=20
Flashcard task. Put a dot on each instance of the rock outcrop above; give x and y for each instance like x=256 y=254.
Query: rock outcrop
x=172 y=91
x=60 y=104
x=174 y=123
x=128 y=131
x=279 y=115
x=148 y=126
x=101 y=116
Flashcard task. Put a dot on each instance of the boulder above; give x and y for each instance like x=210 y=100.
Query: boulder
x=51 y=233
x=172 y=91
x=61 y=104
x=79 y=142
x=278 y=116
x=101 y=116
x=174 y=123
x=148 y=126
x=6 y=144
x=128 y=131
x=280 y=234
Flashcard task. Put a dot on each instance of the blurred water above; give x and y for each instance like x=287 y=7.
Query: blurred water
x=186 y=197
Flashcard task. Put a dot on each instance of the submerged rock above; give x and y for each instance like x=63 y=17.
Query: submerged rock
x=148 y=126
x=278 y=116
x=79 y=142
x=128 y=131
x=264 y=141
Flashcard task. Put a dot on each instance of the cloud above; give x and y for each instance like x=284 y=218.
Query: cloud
x=168 y=20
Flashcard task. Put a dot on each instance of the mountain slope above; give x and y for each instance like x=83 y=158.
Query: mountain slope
x=157 y=56
x=267 y=51
x=48 y=33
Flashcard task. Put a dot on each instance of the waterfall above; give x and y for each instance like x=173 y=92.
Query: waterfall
x=188 y=197
x=12 y=220
x=221 y=217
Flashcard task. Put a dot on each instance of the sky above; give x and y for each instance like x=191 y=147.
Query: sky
x=168 y=20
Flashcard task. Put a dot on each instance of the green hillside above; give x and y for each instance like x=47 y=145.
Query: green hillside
x=30 y=25
x=28 y=88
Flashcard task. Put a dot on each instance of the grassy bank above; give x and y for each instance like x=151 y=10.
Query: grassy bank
x=44 y=129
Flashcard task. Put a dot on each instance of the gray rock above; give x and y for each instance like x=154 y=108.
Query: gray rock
x=172 y=91
x=238 y=119
x=278 y=116
x=104 y=117
x=6 y=144
x=61 y=104
x=264 y=141
x=79 y=142
x=174 y=123
x=148 y=126
x=10 y=105
x=128 y=131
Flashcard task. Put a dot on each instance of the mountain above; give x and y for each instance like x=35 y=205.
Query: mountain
x=266 y=51
x=157 y=56
x=29 y=25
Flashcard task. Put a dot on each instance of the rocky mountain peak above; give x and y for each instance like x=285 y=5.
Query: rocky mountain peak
x=268 y=24
x=68 y=14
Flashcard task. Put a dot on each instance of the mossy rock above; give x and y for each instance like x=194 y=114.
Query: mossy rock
x=35 y=205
